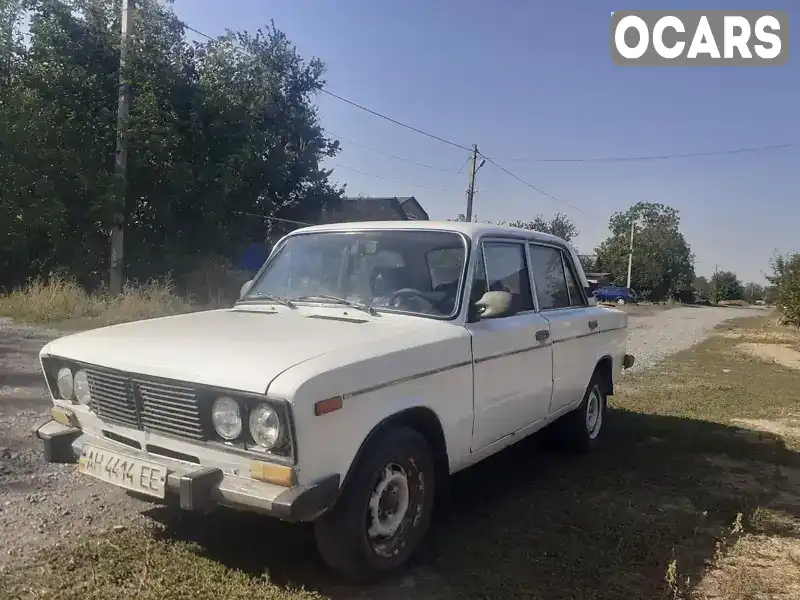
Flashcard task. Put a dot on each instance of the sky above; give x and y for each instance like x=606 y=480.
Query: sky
x=528 y=80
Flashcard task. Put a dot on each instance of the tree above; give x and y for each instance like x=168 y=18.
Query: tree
x=725 y=285
x=559 y=225
x=589 y=263
x=702 y=288
x=754 y=291
x=663 y=264
x=785 y=280
x=224 y=136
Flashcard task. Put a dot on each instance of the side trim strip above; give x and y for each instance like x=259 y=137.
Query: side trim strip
x=511 y=353
x=406 y=379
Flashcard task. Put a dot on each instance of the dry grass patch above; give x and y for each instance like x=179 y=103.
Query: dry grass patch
x=757 y=566
x=785 y=356
x=649 y=516
x=63 y=301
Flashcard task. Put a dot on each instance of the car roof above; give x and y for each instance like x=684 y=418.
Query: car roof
x=472 y=230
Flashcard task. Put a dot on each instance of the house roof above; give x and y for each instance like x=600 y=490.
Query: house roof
x=407 y=208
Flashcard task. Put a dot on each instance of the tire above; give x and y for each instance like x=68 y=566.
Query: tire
x=398 y=468
x=581 y=430
x=621 y=301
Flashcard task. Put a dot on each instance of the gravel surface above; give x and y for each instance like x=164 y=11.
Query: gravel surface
x=43 y=504
x=653 y=338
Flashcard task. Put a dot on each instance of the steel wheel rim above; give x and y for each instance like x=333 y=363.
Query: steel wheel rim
x=594 y=413
x=388 y=509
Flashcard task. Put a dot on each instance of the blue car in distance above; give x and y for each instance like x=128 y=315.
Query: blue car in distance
x=615 y=293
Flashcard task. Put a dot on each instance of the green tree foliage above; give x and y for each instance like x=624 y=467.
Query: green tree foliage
x=725 y=285
x=559 y=225
x=663 y=264
x=223 y=135
x=785 y=280
x=754 y=291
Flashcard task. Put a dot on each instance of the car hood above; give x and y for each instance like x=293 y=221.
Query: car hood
x=232 y=348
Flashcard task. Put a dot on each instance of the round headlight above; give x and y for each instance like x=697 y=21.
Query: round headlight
x=80 y=383
x=265 y=426
x=65 y=385
x=227 y=418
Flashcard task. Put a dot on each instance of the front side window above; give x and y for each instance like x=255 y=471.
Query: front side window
x=505 y=270
x=413 y=271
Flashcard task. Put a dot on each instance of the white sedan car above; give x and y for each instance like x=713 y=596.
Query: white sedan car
x=362 y=366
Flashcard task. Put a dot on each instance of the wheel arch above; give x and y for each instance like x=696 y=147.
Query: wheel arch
x=427 y=423
x=605 y=370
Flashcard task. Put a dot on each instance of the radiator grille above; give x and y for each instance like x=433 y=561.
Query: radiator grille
x=146 y=404
x=112 y=397
x=168 y=408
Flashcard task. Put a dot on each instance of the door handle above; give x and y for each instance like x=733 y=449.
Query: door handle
x=542 y=335
x=593 y=324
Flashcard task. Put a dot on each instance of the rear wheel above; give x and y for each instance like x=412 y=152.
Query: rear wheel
x=581 y=429
x=384 y=510
x=621 y=301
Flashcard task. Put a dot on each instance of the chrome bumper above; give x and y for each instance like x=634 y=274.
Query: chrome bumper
x=198 y=488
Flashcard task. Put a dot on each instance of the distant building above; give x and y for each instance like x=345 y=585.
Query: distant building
x=352 y=208
x=371 y=208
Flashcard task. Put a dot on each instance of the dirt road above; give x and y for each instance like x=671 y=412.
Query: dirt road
x=42 y=504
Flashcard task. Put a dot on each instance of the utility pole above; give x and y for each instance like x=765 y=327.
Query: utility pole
x=472 y=172
x=630 y=254
x=116 y=265
x=716 y=283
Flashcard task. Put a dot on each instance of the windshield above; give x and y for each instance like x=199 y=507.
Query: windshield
x=413 y=271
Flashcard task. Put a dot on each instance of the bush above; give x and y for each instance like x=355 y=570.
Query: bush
x=61 y=298
x=786 y=280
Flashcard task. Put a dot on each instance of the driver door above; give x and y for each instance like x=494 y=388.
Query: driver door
x=512 y=356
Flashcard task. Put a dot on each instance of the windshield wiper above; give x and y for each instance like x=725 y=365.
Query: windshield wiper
x=365 y=307
x=270 y=298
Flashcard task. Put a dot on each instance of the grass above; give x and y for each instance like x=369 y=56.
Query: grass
x=62 y=301
x=683 y=501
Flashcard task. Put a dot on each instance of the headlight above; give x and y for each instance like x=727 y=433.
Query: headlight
x=227 y=418
x=265 y=426
x=65 y=384
x=80 y=384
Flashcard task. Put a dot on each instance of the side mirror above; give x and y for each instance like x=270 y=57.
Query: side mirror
x=494 y=305
x=245 y=287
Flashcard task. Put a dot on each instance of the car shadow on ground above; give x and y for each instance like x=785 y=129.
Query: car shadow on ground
x=533 y=521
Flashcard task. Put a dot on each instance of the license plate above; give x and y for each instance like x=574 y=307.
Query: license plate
x=126 y=472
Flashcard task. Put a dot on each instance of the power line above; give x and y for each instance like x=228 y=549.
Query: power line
x=418 y=185
x=659 y=156
x=391 y=120
x=538 y=189
x=413 y=162
x=351 y=103
x=266 y=218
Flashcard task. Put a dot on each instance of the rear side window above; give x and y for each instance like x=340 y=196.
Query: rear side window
x=549 y=278
x=575 y=295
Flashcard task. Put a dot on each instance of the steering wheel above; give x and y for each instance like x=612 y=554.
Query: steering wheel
x=404 y=293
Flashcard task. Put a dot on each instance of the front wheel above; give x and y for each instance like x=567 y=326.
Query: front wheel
x=384 y=510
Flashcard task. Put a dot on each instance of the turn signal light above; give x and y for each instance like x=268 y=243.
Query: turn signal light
x=323 y=407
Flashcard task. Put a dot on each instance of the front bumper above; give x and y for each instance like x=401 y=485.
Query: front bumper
x=199 y=488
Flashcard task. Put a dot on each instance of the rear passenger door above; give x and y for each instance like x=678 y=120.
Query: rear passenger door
x=574 y=332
